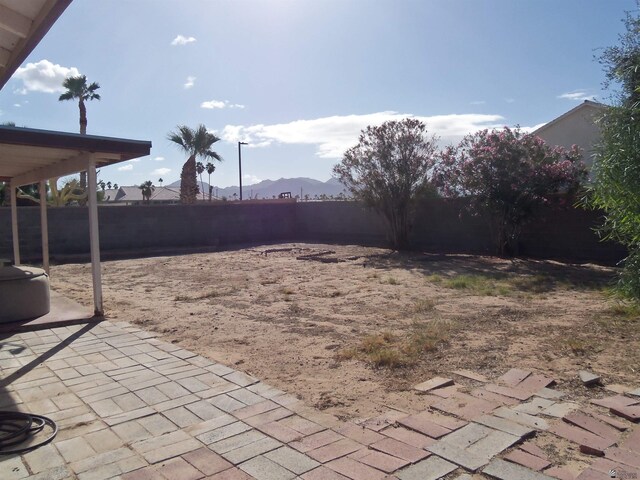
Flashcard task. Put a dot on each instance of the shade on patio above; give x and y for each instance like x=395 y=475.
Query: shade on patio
x=33 y=156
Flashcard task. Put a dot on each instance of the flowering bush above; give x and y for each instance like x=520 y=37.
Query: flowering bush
x=388 y=170
x=508 y=173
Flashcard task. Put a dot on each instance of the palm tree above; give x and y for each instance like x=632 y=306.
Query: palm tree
x=147 y=190
x=195 y=143
x=200 y=170
x=210 y=169
x=77 y=88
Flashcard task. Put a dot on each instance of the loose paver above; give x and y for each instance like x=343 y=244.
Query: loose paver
x=509 y=471
x=434 y=383
x=355 y=470
x=527 y=460
x=432 y=468
x=588 y=442
x=589 y=378
x=399 y=449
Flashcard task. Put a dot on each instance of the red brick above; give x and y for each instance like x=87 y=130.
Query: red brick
x=618 y=425
x=359 y=434
x=586 y=422
x=533 y=449
x=399 y=449
x=589 y=443
x=591 y=474
x=465 y=406
x=355 y=470
x=514 y=376
x=409 y=437
x=494 y=397
x=513 y=392
x=624 y=456
x=382 y=461
x=527 y=460
x=231 y=474
x=614 y=401
x=445 y=392
x=533 y=383
x=424 y=426
x=606 y=464
x=632 y=442
x=316 y=440
x=280 y=432
x=560 y=473
x=323 y=473
x=445 y=421
x=631 y=412
x=207 y=461
x=334 y=450
x=178 y=468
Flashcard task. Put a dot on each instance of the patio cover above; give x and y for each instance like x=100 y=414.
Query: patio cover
x=23 y=23
x=33 y=156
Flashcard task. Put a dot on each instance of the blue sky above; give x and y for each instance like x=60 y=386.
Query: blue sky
x=298 y=79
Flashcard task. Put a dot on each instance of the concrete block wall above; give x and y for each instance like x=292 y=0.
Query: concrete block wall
x=438 y=226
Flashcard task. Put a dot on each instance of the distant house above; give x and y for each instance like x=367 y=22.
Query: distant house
x=575 y=127
x=133 y=195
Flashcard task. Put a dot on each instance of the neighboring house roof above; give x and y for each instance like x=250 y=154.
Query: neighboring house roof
x=578 y=127
x=134 y=194
x=587 y=105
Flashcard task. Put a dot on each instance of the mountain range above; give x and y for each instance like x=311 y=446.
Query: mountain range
x=300 y=186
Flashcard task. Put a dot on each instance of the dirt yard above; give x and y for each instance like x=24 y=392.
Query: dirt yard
x=351 y=329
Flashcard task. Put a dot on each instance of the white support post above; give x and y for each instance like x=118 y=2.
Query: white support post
x=44 y=229
x=94 y=235
x=14 y=223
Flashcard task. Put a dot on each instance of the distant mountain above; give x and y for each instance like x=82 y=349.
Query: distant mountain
x=300 y=186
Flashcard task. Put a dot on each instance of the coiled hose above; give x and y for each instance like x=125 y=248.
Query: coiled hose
x=18 y=427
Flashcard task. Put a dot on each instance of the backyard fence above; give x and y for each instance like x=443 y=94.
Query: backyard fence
x=439 y=225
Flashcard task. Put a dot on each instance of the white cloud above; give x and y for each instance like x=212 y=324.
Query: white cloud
x=125 y=168
x=578 y=95
x=134 y=160
x=250 y=179
x=333 y=135
x=211 y=104
x=509 y=100
x=17 y=105
x=161 y=171
x=190 y=82
x=159 y=159
x=182 y=40
x=43 y=76
x=477 y=102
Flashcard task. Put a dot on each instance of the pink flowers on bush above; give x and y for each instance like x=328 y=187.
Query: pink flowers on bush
x=508 y=173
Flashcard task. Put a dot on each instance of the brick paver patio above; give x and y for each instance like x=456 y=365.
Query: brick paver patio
x=130 y=407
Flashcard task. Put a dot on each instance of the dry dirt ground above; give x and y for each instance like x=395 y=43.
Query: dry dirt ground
x=318 y=320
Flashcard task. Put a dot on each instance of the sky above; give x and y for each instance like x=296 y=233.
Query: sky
x=299 y=79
